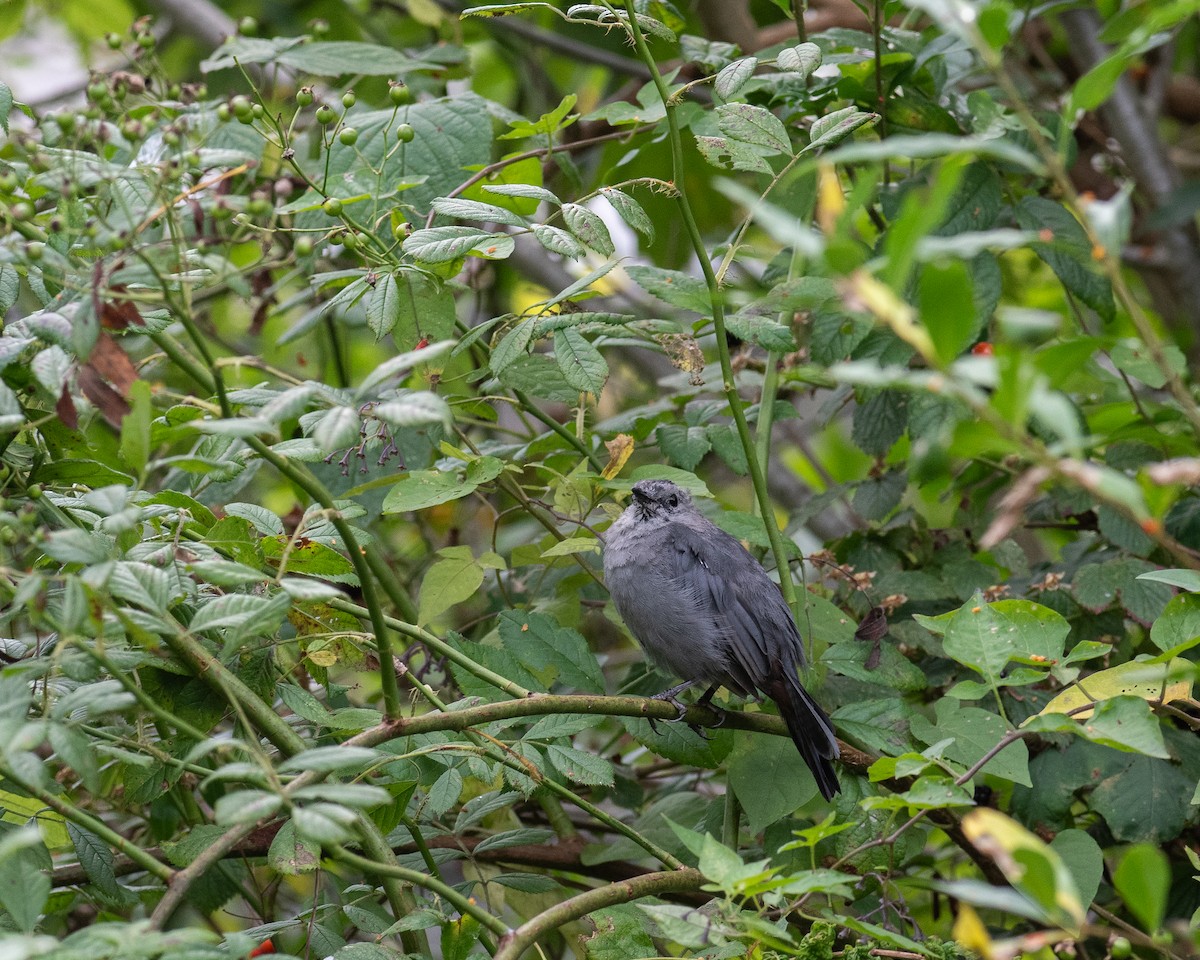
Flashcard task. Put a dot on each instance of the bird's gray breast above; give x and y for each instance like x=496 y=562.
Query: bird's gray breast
x=674 y=620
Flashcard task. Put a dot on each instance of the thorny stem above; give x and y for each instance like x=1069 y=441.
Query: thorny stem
x=729 y=383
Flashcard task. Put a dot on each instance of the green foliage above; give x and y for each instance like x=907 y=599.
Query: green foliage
x=315 y=404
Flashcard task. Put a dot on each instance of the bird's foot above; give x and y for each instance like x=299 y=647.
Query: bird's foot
x=669 y=697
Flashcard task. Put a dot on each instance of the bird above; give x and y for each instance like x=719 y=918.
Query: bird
x=705 y=610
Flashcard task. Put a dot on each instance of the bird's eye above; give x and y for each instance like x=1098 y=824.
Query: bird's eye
x=672 y=501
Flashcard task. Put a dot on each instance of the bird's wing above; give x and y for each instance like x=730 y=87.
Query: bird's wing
x=717 y=571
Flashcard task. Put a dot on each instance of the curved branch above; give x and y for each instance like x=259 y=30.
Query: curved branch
x=516 y=942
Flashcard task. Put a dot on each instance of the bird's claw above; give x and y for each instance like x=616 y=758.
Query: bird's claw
x=668 y=696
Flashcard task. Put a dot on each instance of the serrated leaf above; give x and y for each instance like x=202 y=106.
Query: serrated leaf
x=558 y=241
x=337 y=429
x=425 y=488
x=383 y=306
x=512 y=346
x=733 y=77
x=462 y=209
x=630 y=211
x=581 y=363
x=579 y=766
x=589 y=228
x=444 y=244
x=676 y=288
x=803 y=59
x=753 y=124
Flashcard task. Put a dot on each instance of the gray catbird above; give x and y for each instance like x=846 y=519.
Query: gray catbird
x=705 y=610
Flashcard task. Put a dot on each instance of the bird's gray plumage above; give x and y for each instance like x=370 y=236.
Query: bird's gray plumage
x=705 y=610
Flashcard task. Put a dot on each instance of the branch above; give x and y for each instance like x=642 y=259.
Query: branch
x=515 y=942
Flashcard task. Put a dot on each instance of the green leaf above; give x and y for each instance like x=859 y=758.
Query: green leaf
x=98 y=863
x=445 y=244
x=461 y=209
x=630 y=211
x=582 y=767
x=753 y=124
x=1178 y=628
x=135 y=427
x=1143 y=879
x=589 y=228
x=803 y=59
x=683 y=446
x=1148 y=801
x=25 y=881
x=947 y=307
x=725 y=153
x=542 y=645
x=335 y=58
x=733 y=77
x=244 y=613
x=383 y=306
x=581 y=363
x=676 y=288
x=425 y=488
x=1068 y=251
x=975 y=732
x=512 y=346
x=767 y=332
x=343 y=758
x=449 y=581
x=1083 y=857
x=291 y=856
x=558 y=241
x=619 y=934
x=1184 y=579
x=6 y=103
x=769 y=778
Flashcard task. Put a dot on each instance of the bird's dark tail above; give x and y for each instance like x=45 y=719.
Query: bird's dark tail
x=811 y=731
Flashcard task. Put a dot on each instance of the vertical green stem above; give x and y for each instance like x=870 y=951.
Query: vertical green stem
x=729 y=385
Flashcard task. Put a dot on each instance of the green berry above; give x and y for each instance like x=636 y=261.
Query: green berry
x=113 y=40
x=405 y=133
x=258 y=205
x=241 y=106
x=304 y=96
x=8 y=182
x=97 y=90
x=145 y=40
x=248 y=27
x=1121 y=948
x=303 y=246
x=349 y=99
x=350 y=240
x=332 y=206
x=319 y=27
x=348 y=136
x=224 y=114
x=35 y=250
x=325 y=114
x=399 y=93
x=401 y=230
x=22 y=210
x=34 y=491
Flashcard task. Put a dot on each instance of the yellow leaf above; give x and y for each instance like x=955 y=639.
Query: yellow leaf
x=831 y=202
x=971 y=933
x=1156 y=682
x=620 y=449
x=882 y=301
x=1029 y=864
